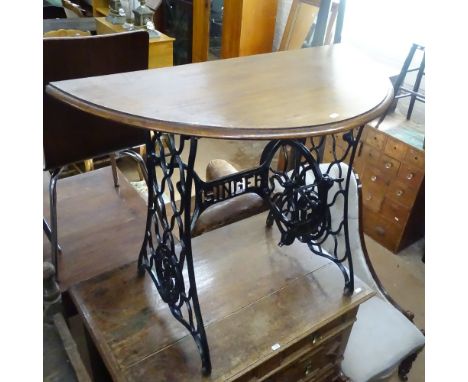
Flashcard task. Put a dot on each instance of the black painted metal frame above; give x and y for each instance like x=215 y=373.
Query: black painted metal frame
x=300 y=199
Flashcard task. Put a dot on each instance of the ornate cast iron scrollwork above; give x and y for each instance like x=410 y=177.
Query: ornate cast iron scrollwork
x=161 y=257
x=308 y=201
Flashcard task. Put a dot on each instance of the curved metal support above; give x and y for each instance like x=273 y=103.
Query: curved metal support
x=53 y=217
x=140 y=161
x=160 y=256
x=48 y=232
x=301 y=199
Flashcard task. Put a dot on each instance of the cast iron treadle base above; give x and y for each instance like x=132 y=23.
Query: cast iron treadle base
x=300 y=201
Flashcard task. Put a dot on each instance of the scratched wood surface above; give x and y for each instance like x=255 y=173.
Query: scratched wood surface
x=277 y=95
x=252 y=293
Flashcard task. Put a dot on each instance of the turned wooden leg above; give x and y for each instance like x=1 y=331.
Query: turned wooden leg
x=405 y=366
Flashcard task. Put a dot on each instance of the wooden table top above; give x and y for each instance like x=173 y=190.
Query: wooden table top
x=290 y=94
x=253 y=294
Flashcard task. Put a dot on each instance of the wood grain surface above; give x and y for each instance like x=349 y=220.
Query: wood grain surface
x=289 y=94
x=253 y=294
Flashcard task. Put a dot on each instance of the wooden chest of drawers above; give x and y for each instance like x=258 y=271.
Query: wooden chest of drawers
x=271 y=313
x=392 y=175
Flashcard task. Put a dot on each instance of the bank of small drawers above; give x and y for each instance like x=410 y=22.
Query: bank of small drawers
x=314 y=358
x=392 y=176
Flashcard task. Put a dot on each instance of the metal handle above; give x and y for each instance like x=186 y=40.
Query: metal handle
x=396 y=218
x=388 y=165
x=308 y=369
x=373 y=178
x=410 y=176
x=315 y=338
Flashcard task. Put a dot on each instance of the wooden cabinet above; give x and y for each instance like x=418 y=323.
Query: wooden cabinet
x=100 y=8
x=248 y=27
x=271 y=313
x=392 y=175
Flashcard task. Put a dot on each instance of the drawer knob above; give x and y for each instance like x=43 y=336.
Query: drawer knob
x=410 y=176
x=399 y=193
x=373 y=178
x=308 y=368
x=396 y=219
x=368 y=197
x=388 y=165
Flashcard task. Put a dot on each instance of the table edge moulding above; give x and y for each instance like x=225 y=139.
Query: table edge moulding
x=294 y=99
x=222 y=110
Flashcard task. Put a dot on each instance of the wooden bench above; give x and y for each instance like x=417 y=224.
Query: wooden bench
x=271 y=313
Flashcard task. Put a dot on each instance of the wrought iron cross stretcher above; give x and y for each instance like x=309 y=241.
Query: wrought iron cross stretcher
x=295 y=100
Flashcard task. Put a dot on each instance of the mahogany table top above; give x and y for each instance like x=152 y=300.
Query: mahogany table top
x=292 y=94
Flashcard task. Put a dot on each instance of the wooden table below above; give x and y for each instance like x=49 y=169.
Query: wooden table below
x=269 y=311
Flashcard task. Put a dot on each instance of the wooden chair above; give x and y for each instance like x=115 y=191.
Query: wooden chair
x=384 y=339
x=70 y=135
x=313 y=20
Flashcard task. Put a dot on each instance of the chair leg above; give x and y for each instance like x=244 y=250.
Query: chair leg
x=405 y=366
x=114 y=169
x=417 y=83
x=48 y=232
x=401 y=77
x=53 y=218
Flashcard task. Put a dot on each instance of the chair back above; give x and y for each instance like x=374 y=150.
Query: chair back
x=69 y=134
